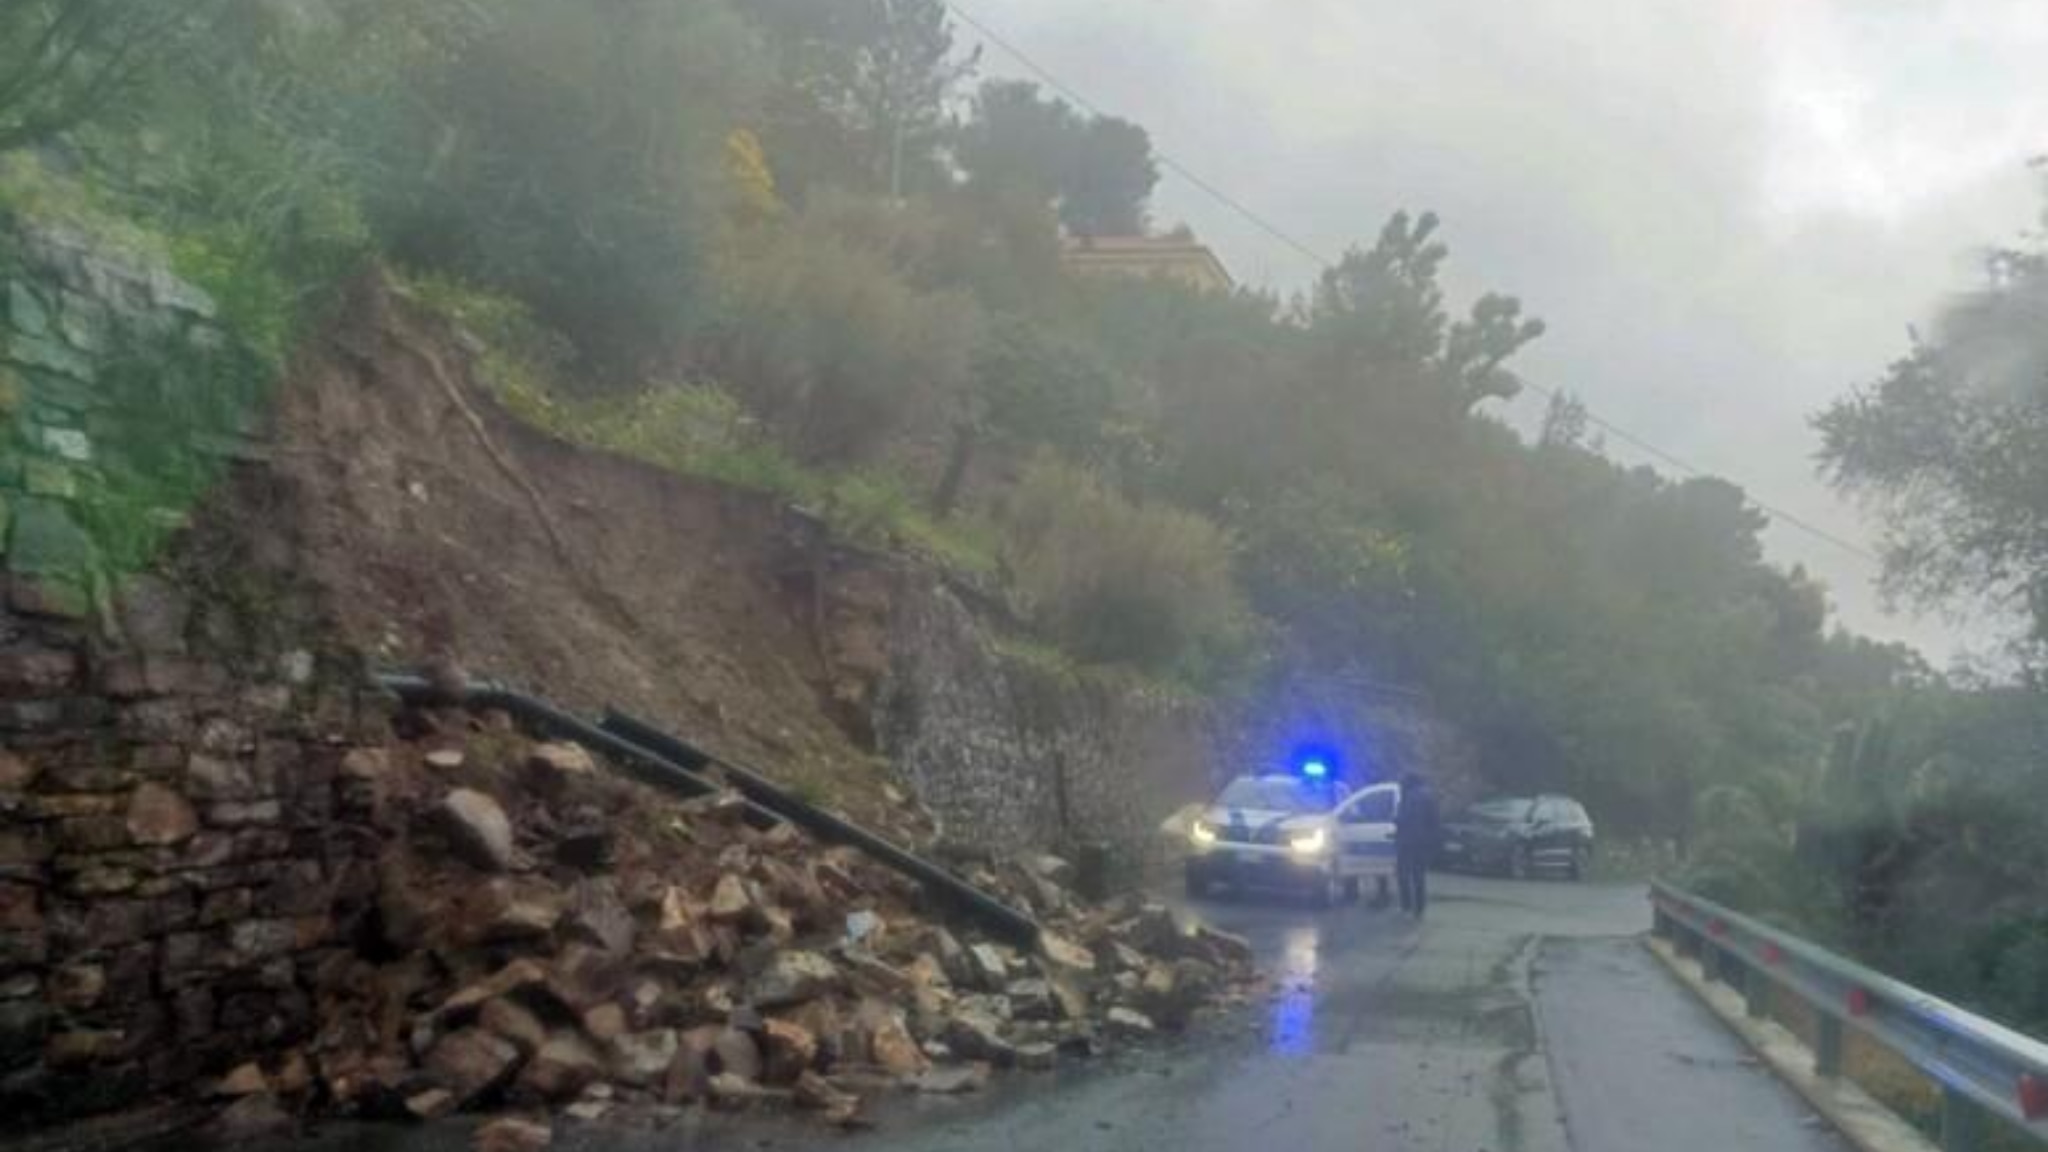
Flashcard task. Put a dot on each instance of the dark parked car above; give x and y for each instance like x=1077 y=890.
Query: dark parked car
x=1518 y=835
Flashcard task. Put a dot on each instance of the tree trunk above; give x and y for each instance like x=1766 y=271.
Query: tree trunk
x=966 y=437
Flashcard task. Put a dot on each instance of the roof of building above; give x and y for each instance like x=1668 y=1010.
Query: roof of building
x=1141 y=253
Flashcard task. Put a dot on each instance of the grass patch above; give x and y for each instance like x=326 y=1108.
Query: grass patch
x=519 y=355
x=1063 y=667
x=30 y=190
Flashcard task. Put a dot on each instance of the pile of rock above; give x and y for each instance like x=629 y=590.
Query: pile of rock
x=554 y=938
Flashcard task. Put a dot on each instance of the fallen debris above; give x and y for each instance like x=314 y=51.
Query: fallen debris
x=555 y=936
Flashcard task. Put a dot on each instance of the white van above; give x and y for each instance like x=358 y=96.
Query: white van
x=1294 y=832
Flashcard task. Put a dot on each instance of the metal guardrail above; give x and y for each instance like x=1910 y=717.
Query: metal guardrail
x=998 y=917
x=1983 y=1068
x=666 y=762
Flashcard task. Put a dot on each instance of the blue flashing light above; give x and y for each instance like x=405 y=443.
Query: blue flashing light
x=1314 y=769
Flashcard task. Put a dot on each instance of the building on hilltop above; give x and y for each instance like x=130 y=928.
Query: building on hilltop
x=1176 y=255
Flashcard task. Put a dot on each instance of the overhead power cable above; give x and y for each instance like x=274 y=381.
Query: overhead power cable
x=1321 y=260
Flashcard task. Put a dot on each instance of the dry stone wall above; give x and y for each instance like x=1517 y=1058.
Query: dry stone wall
x=175 y=857
x=1011 y=754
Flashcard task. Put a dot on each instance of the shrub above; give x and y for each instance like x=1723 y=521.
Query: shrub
x=570 y=154
x=841 y=351
x=1122 y=582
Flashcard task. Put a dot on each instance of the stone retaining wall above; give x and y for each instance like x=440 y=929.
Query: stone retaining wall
x=1011 y=754
x=176 y=862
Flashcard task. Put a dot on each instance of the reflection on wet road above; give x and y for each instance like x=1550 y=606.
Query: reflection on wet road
x=1291 y=1027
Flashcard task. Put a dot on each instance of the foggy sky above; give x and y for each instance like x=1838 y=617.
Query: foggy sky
x=1728 y=211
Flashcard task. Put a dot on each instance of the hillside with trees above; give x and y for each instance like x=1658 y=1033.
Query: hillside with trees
x=811 y=249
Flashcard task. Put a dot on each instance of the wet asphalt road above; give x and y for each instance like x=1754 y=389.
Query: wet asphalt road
x=1522 y=1017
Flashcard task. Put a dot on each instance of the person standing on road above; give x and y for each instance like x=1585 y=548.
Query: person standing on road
x=1416 y=826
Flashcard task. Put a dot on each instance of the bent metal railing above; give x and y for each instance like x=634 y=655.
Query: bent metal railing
x=1982 y=1067
x=668 y=763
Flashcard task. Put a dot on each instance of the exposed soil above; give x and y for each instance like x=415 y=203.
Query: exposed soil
x=438 y=526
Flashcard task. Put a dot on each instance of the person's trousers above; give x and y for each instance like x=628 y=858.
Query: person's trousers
x=1411 y=873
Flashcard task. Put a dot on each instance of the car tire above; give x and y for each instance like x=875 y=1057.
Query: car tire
x=1577 y=868
x=1519 y=863
x=1353 y=890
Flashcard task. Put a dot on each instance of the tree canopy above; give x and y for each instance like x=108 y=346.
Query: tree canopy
x=786 y=244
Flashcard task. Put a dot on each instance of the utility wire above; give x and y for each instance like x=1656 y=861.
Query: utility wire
x=1052 y=80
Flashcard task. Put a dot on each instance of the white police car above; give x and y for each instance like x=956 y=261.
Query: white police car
x=1303 y=832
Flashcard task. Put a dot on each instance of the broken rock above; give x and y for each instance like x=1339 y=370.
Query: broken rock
x=246 y=1080
x=555 y=768
x=953 y=959
x=642 y=1059
x=598 y=915
x=513 y=1022
x=606 y=1021
x=729 y=899
x=732 y=1090
x=689 y=1074
x=513 y=1134
x=521 y=973
x=817 y=1094
x=1129 y=1023
x=562 y=1067
x=470 y=1063
x=432 y=1104
x=1039 y=1057
x=976 y=1034
x=251 y=1118
x=506 y=909
x=1069 y=995
x=891 y=1046
x=1065 y=954
x=1031 y=1000
x=989 y=971
x=477 y=829
x=791 y=978
x=735 y=1053
x=787 y=1051
x=951 y=1080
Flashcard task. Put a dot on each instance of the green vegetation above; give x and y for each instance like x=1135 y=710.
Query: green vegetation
x=1121 y=581
x=1917 y=843
x=748 y=242
x=754 y=243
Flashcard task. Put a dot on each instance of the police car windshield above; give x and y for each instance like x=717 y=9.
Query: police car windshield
x=1276 y=794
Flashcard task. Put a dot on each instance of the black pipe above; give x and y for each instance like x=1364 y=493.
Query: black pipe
x=665 y=762
x=999 y=917
x=644 y=764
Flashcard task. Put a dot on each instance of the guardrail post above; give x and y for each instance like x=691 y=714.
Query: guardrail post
x=1827 y=1047
x=1756 y=991
x=1962 y=1122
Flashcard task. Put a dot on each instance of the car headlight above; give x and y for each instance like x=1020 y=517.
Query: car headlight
x=1201 y=834
x=1309 y=843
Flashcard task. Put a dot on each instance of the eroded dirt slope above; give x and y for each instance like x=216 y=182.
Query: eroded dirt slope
x=435 y=523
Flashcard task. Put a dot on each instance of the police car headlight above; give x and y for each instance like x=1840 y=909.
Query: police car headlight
x=1201 y=834
x=1309 y=843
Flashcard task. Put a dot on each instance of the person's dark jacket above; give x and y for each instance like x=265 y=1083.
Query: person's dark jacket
x=1418 y=822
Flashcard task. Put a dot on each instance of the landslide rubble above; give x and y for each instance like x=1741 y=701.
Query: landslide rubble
x=554 y=939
